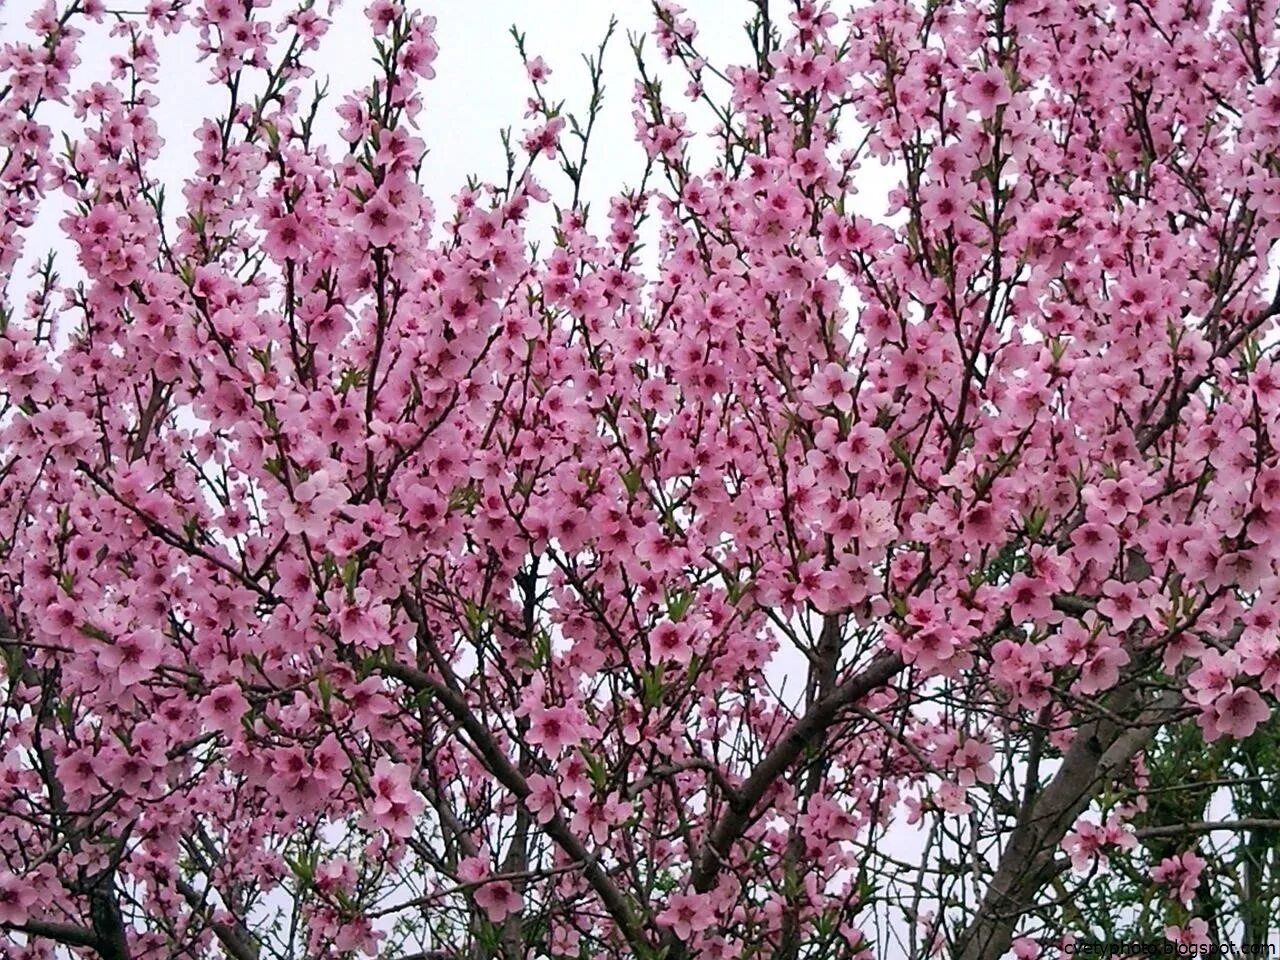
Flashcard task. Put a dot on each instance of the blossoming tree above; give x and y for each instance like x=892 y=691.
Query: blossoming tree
x=377 y=580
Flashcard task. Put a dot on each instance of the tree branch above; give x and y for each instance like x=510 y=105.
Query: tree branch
x=1207 y=826
x=511 y=778
x=741 y=810
x=1099 y=750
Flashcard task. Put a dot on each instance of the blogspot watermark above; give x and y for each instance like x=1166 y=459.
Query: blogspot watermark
x=1169 y=948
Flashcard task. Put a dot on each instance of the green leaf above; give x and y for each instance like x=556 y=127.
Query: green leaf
x=678 y=601
x=653 y=686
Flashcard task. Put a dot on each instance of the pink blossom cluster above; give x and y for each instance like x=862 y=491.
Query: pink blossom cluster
x=432 y=576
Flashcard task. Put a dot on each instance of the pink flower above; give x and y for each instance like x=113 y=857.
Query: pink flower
x=382 y=13
x=538 y=70
x=670 y=641
x=987 y=90
x=543 y=800
x=223 y=709
x=934 y=650
x=17 y=896
x=544 y=139
x=314 y=502
x=1194 y=934
x=972 y=762
x=1102 y=670
x=1235 y=714
x=1083 y=844
x=950 y=799
x=833 y=385
x=128 y=771
x=687 y=914
x=134 y=656
x=554 y=729
x=1181 y=874
x=1111 y=501
x=1030 y=600
x=1072 y=643
x=1122 y=604
x=379 y=222
x=395 y=804
x=498 y=899
x=1212 y=679
x=284 y=238
x=62 y=427
x=1097 y=543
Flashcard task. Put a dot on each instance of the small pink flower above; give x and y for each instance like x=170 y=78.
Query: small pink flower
x=987 y=90
x=972 y=762
x=1235 y=714
x=223 y=709
x=498 y=899
x=687 y=914
x=1194 y=934
x=1181 y=874
x=379 y=221
x=538 y=70
x=554 y=729
x=17 y=896
x=1097 y=543
x=544 y=799
x=1122 y=604
x=395 y=803
x=670 y=642
x=1102 y=670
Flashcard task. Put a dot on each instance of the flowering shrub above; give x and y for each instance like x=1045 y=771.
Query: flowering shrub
x=378 y=580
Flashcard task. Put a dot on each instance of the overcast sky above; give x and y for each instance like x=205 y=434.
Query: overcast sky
x=480 y=85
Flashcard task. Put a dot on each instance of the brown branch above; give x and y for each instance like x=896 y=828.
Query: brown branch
x=67 y=934
x=741 y=812
x=237 y=940
x=1207 y=826
x=511 y=778
x=1100 y=749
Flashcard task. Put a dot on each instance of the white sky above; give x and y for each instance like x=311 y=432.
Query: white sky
x=480 y=85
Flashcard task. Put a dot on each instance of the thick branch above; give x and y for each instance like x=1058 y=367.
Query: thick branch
x=513 y=780
x=1099 y=750
x=67 y=934
x=741 y=811
x=236 y=940
x=1207 y=826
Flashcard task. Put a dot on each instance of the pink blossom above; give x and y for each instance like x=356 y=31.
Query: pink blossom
x=498 y=899
x=687 y=913
x=972 y=762
x=670 y=641
x=1236 y=713
x=1102 y=671
x=395 y=804
x=379 y=221
x=1122 y=604
x=223 y=709
x=554 y=728
x=538 y=70
x=17 y=897
x=1194 y=934
x=1181 y=874
x=987 y=90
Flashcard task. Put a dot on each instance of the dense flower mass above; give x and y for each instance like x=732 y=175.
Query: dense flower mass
x=384 y=580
